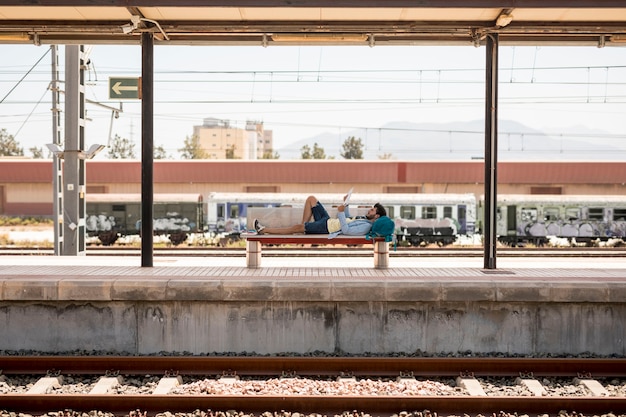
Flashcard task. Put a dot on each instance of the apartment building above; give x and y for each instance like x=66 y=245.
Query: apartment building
x=222 y=140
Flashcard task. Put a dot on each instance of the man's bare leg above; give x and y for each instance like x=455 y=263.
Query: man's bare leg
x=309 y=203
x=291 y=230
x=307 y=213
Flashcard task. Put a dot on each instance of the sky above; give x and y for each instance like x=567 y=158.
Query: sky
x=299 y=92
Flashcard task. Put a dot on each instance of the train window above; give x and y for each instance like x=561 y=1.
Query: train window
x=118 y=207
x=234 y=211
x=220 y=211
x=407 y=212
x=447 y=212
x=596 y=213
x=551 y=214
x=429 y=212
x=528 y=214
x=619 y=214
x=390 y=212
x=572 y=213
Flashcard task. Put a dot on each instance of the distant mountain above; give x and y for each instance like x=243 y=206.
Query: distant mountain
x=465 y=140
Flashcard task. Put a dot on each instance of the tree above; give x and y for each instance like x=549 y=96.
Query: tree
x=305 y=152
x=160 y=153
x=270 y=154
x=121 y=148
x=8 y=145
x=36 y=152
x=352 y=148
x=317 y=153
x=230 y=152
x=385 y=156
x=192 y=149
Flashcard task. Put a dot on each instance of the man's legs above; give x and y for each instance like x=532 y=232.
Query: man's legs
x=311 y=209
x=296 y=228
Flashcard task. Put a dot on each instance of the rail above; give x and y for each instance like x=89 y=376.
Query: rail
x=464 y=368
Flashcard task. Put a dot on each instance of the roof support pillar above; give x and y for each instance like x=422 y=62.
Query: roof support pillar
x=147 y=147
x=57 y=161
x=491 y=152
x=74 y=166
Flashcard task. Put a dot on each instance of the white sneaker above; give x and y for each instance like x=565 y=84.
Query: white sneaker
x=258 y=226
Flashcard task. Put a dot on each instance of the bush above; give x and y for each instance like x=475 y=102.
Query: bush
x=7 y=221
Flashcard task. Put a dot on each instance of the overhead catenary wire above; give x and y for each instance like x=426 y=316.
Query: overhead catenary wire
x=25 y=75
x=29 y=115
x=367 y=76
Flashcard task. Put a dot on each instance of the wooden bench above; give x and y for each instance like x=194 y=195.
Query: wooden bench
x=254 y=243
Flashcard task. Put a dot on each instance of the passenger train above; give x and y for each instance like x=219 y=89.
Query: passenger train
x=110 y=216
x=420 y=218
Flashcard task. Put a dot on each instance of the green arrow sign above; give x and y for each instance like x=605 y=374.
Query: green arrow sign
x=121 y=88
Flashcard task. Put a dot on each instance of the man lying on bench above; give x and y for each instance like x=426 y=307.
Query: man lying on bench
x=322 y=223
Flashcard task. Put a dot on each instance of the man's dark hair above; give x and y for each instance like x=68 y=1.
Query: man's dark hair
x=380 y=210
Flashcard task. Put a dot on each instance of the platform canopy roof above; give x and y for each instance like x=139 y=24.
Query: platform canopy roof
x=276 y=22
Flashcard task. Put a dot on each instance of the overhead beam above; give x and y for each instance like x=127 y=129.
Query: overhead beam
x=327 y=3
x=260 y=32
x=252 y=26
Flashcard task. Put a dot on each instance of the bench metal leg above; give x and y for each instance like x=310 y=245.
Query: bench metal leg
x=253 y=254
x=381 y=255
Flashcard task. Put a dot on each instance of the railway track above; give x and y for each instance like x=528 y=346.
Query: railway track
x=175 y=373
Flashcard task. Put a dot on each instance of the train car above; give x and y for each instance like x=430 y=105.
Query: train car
x=536 y=218
x=432 y=218
x=420 y=218
x=110 y=216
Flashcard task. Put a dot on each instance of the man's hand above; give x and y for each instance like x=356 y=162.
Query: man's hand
x=341 y=208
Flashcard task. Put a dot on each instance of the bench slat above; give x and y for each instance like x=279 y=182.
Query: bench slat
x=311 y=239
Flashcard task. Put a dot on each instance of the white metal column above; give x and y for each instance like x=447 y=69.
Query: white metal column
x=74 y=166
x=57 y=161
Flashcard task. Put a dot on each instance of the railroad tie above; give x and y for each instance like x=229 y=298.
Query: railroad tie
x=106 y=384
x=166 y=384
x=593 y=386
x=471 y=385
x=229 y=379
x=532 y=385
x=45 y=385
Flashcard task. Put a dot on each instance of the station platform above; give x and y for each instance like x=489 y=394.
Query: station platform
x=310 y=304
